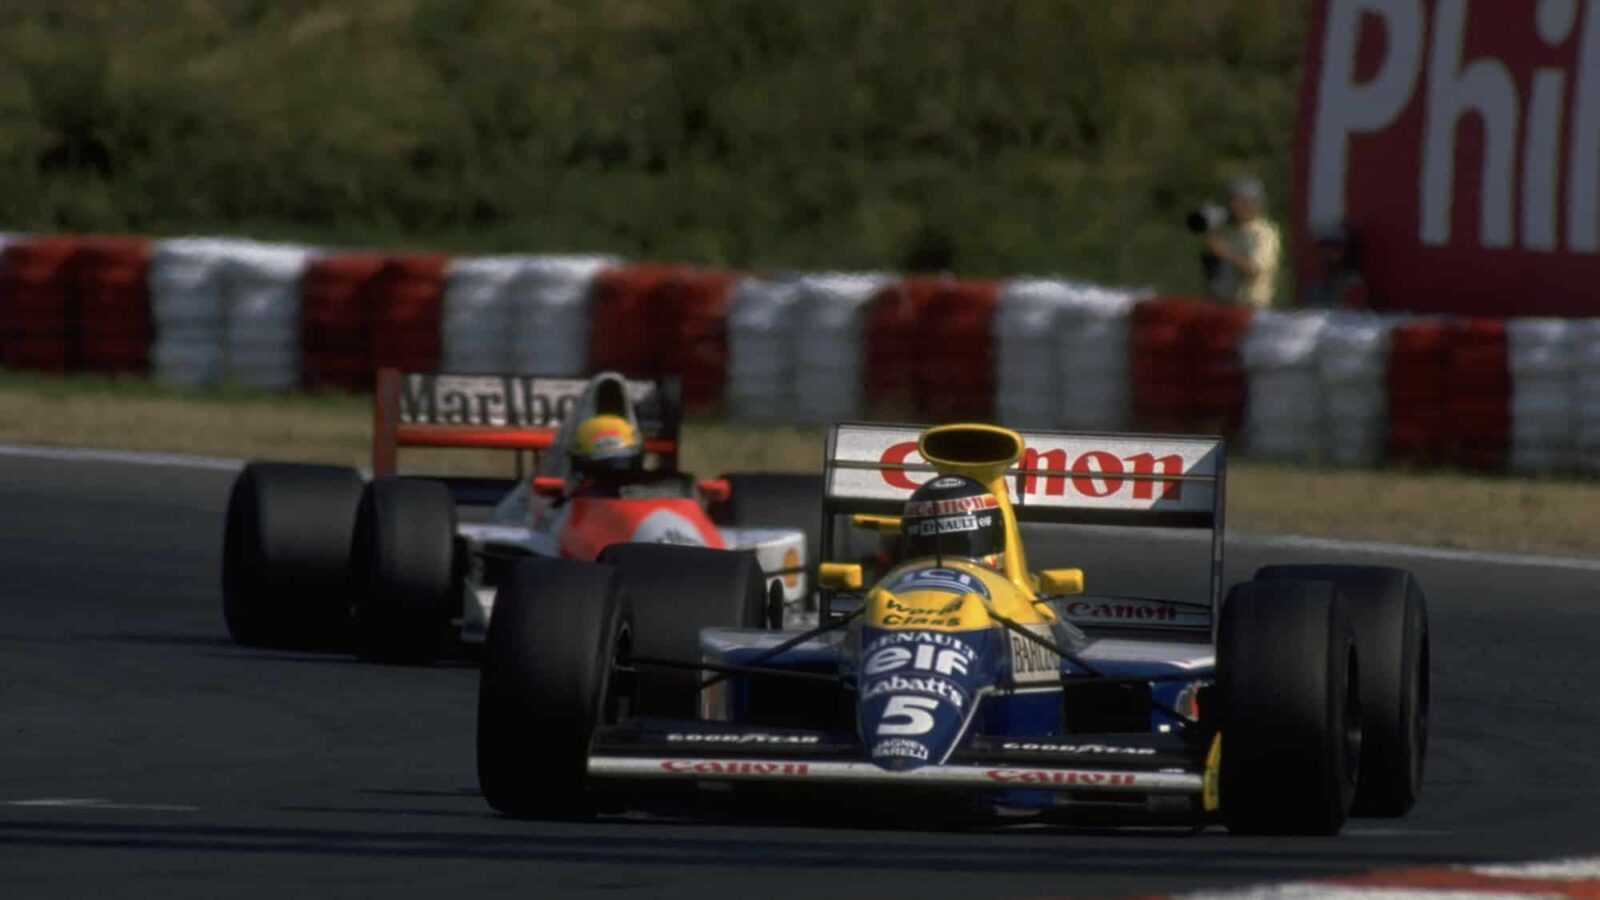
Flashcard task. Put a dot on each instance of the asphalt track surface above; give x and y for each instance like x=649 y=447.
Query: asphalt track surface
x=143 y=754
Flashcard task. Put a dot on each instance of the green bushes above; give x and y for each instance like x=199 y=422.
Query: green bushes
x=1000 y=135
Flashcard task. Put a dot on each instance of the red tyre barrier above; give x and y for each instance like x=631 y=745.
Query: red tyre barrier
x=38 y=315
x=1477 y=418
x=955 y=362
x=405 y=300
x=1185 y=370
x=688 y=319
x=1418 y=387
x=620 y=306
x=891 y=377
x=108 y=277
x=336 y=322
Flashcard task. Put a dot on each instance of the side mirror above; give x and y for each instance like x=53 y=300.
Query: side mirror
x=714 y=490
x=1055 y=582
x=549 y=486
x=880 y=524
x=840 y=576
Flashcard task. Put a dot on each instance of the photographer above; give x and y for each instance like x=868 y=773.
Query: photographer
x=1241 y=246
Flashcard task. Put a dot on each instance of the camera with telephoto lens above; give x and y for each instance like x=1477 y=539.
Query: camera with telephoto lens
x=1207 y=218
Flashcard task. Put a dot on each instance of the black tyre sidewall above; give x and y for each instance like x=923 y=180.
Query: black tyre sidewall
x=1284 y=652
x=1390 y=615
x=544 y=686
x=675 y=593
x=286 y=543
x=403 y=561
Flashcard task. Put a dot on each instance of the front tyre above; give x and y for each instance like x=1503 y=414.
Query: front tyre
x=1288 y=685
x=547 y=683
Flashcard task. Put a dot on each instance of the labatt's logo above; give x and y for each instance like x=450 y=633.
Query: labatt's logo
x=1094 y=474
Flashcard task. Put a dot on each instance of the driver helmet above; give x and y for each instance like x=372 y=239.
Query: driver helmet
x=955 y=516
x=606 y=444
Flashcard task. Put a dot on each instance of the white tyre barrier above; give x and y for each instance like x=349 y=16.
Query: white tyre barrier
x=828 y=336
x=549 y=309
x=760 y=385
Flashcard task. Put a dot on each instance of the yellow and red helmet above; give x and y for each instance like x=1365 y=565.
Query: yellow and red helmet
x=606 y=443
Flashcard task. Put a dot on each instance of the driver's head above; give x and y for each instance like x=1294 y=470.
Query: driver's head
x=954 y=516
x=606 y=445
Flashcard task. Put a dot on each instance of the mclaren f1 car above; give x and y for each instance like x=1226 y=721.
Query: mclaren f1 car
x=960 y=678
x=404 y=567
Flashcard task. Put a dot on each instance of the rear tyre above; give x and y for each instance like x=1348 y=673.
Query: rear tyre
x=548 y=664
x=286 y=555
x=1390 y=616
x=1287 y=680
x=403 y=558
x=674 y=593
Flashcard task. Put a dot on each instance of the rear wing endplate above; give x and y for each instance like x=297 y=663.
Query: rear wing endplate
x=512 y=412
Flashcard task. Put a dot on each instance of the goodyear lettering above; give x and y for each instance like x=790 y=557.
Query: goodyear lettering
x=745 y=738
x=733 y=767
x=1076 y=749
x=1045 y=776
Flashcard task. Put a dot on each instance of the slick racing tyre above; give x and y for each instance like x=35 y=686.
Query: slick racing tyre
x=403 y=560
x=286 y=555
x=1288 y=685
x=1390 y=615
x=775 y=500
x=549 y=679
x=675 y=592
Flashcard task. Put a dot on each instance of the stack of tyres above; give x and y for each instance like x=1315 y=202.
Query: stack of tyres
x=38 y=312
x=1420 y=356
x=1478 y=414
x=831 y=356
x=548 y=304
x=109 y=276
x=336 y=324
x=1187 y=376
x=620 y=317
x=1284 y=414
x=956 y=367
x=891 y=384
x=689 y=321
x=405 y=301
x=1543 y=366
x=262 y=286
x=760 y=384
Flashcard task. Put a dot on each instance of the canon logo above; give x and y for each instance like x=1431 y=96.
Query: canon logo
x=1094 y=473
x=1535 y=62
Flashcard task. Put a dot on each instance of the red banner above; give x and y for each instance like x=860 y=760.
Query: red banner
x=1461 y=141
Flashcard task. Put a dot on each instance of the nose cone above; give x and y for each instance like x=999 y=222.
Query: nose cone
x=918 y=689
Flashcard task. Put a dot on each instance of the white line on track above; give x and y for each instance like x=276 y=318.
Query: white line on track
x=99 y=803
x=1270 y=541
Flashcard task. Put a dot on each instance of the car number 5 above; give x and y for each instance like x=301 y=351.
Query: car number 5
x=908 y=715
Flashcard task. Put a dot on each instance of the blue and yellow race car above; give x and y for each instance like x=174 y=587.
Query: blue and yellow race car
x=957 y=677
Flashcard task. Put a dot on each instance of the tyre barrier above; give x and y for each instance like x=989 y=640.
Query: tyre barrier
x=1335 y=387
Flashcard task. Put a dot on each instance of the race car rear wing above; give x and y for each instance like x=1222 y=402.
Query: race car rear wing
x=1076 y=478
x=511 y=412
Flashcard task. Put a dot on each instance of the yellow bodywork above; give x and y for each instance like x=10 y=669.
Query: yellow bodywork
x=982 y=453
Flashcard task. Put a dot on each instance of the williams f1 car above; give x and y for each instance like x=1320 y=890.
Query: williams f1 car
x=405 y=566
x=967 y=682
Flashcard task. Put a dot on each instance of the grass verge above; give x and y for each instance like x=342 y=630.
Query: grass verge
x=1453 y=509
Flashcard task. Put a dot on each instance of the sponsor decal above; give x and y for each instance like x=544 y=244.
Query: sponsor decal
x=1031 y=663
x=947 y=482
x=1121 y=611
x=902 y=684
x=900 y=748
x=952 y=507
x=487 y=401
x=1050 y=776
x=1464 y=140
x=899 y=614
x=749 y=737
x=1092 y=474
x=667 y=527
x=952 y=581
x=733 y=767
x=1075 y=749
